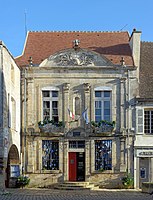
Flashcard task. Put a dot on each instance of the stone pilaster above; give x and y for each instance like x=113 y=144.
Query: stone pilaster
x=61 y=155
x=122 y=155
x=122 y=105
x=65 y=164
x=87 y=101
x=92 y=147
x=30 y=103
x=66 y=89
x=87 y=158
x=30 y=157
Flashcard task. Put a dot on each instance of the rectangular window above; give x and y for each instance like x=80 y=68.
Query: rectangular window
x=14 y=171
x=103 y=154
x=50 y=105
x=76 y=144
x=148 y=121
x=102 y=105
x=50 y=155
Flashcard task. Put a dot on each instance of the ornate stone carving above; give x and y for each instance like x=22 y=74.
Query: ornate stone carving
x=86 y=87
x=75 y=57
x=66 y=86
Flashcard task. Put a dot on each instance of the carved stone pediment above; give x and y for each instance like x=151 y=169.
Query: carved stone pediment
x=72 y=57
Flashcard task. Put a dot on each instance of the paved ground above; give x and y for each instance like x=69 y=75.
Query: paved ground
x=43 y=194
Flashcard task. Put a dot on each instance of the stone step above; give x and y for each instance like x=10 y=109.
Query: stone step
x=75 y=186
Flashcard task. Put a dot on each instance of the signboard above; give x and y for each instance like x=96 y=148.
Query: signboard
x=144 y=153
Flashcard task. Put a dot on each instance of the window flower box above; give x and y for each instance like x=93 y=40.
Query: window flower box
x=103 y=127
x=51 y=126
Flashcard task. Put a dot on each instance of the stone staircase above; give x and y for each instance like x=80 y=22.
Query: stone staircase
x=76 y=186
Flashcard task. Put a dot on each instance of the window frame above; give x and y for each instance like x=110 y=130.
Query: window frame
x=150 y=125
x=103 y=99
x=51 y=156
x=50 y=99
x=98 y=159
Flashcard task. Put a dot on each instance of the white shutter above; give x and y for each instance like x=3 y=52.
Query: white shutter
x=140 y=116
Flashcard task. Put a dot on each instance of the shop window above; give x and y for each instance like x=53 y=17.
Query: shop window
x=50 y=155
x=50 y=105
x=102 y=105
x=148 y=121
x=103 y=154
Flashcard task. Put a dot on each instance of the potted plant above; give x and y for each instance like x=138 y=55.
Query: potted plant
x=22 y=181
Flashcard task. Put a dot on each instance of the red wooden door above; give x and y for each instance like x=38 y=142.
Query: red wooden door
x=72 y=166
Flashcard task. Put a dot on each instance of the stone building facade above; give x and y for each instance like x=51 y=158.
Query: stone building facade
x=78 y=122
x=9 y=117
x=143 y=145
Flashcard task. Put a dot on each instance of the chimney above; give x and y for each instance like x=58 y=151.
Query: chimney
x=135 y=46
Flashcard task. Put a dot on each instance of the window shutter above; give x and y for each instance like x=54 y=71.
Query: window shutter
x=140 y=121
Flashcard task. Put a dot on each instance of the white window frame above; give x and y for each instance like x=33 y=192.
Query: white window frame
x=50 y=99
x=103 y=99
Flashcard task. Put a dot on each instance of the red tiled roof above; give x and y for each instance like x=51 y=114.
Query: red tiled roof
x=40 y=45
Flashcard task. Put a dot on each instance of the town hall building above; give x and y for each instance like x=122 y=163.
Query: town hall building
x=78 y=113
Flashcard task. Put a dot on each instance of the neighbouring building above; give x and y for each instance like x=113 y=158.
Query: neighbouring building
x=143 y=145
x=78 y=113
x=9 y=118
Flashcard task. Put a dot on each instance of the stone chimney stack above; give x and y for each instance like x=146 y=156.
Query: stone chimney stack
x=135 y=46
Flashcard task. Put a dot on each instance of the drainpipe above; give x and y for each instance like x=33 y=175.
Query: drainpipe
x=25 y=120
x=128 y=119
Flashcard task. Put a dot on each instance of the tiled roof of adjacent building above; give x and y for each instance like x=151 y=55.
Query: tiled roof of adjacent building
x=146 y=70
x=40 y=45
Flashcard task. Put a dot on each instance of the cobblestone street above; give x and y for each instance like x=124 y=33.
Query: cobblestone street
x=43 y=194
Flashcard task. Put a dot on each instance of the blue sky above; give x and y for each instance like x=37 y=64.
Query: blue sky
x=69 y=15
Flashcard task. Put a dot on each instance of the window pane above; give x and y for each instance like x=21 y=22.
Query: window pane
x=98 y=112
x=54 y=93
x=107 y=118
x=103 y=155
x=54 y=104
x=46 y=104
x=46 y=93
x=106 y=112
x=97 y=104
x=50 y=155
x=97 y=118
x=98 y=93
x=106 y=104
x=106 y=93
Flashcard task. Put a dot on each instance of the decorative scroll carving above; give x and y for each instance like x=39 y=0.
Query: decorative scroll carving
x=75 y=57
x=86 y=87
x=66 y=86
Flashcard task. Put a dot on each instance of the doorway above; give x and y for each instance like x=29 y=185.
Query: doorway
x=143 y=171
x=76 y=166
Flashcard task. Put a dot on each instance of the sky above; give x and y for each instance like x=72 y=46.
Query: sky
x=19 y=16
